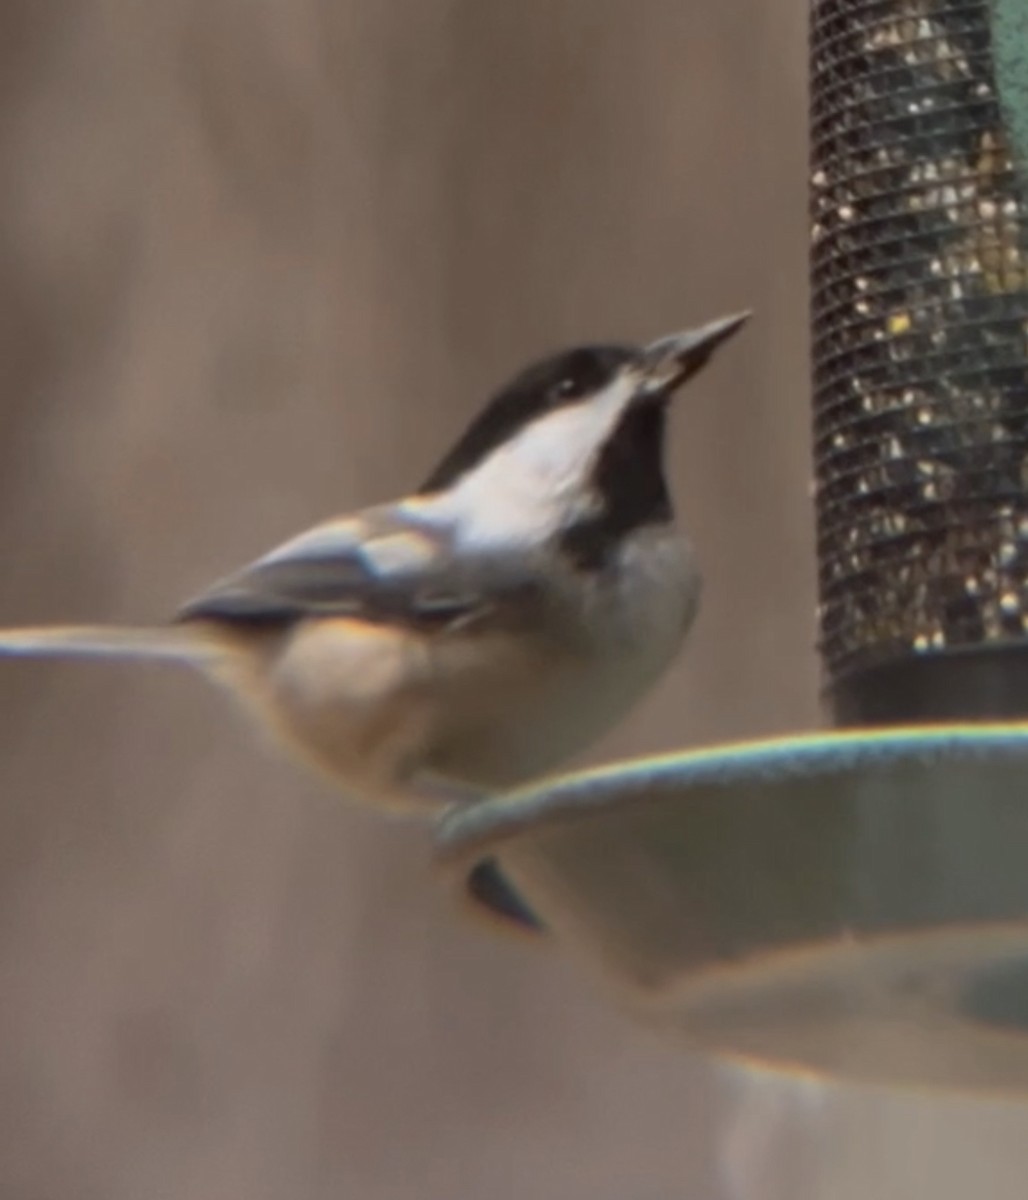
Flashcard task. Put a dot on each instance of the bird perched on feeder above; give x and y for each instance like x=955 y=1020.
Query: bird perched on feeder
x=477 y=632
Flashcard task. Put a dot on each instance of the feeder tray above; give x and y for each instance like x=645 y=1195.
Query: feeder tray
x=845 y=904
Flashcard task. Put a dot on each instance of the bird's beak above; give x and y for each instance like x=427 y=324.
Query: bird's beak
x=670 y=361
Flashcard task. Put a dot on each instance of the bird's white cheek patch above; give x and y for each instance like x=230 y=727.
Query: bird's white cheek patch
x=538 y=482
x=560 y=447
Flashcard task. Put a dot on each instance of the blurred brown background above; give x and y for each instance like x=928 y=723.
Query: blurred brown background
x=259 y=260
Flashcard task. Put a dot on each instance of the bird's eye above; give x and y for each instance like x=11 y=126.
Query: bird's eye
x=579 y=374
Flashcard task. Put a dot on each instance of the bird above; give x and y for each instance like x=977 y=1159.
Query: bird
x=474 y=634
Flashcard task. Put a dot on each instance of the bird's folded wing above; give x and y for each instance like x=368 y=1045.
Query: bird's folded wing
x=379 y=566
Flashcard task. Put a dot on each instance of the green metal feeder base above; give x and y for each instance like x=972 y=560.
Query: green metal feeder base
x=852 y=904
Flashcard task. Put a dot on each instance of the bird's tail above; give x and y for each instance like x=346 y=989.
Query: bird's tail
x=177 y=643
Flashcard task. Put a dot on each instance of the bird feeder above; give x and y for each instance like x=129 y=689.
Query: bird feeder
x=854 y=903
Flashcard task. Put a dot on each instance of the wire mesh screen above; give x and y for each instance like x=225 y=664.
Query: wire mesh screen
x=920 y=325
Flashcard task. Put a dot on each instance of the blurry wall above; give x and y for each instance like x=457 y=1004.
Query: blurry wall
x=259 y=260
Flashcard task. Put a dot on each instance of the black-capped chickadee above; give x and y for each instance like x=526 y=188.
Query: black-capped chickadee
x=476 y=633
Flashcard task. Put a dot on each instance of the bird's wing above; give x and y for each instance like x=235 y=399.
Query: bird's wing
x=381 y=565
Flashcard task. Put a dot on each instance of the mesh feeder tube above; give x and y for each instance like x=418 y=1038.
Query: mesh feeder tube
x=920 y=365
